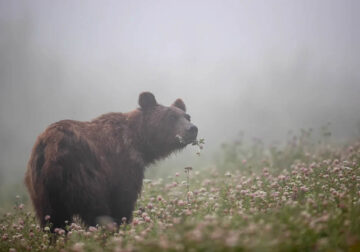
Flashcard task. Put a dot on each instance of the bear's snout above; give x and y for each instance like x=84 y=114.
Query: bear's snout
x=192 y=132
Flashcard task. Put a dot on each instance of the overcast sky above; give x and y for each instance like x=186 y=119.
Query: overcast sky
x=260 y=66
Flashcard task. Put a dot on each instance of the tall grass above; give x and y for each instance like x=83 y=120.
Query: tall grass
x=303 y=196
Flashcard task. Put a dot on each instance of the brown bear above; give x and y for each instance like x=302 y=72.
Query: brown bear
x=96 y=168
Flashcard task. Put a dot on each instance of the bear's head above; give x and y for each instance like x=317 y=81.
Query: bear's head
x=165 y=129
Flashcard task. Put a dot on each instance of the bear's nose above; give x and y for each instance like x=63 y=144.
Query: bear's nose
x=193 y=130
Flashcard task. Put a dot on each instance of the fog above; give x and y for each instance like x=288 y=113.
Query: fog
x=262 y=67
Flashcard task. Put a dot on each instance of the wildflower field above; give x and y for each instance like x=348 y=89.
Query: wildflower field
x=302 y=196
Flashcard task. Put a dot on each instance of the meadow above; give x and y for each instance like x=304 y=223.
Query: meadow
x=303 y=195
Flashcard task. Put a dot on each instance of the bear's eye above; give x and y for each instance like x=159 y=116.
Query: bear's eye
x=187 y=117
x=172 y=117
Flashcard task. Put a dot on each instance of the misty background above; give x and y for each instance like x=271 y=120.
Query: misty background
x=262 y=67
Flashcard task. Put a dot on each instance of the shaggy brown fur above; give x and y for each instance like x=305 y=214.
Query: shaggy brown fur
x=96 y=168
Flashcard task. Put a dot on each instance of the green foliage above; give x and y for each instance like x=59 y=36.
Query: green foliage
x=254 y=156
x=302 y=197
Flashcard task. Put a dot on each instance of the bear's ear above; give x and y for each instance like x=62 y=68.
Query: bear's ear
x=147 y=100
x=179 y=104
